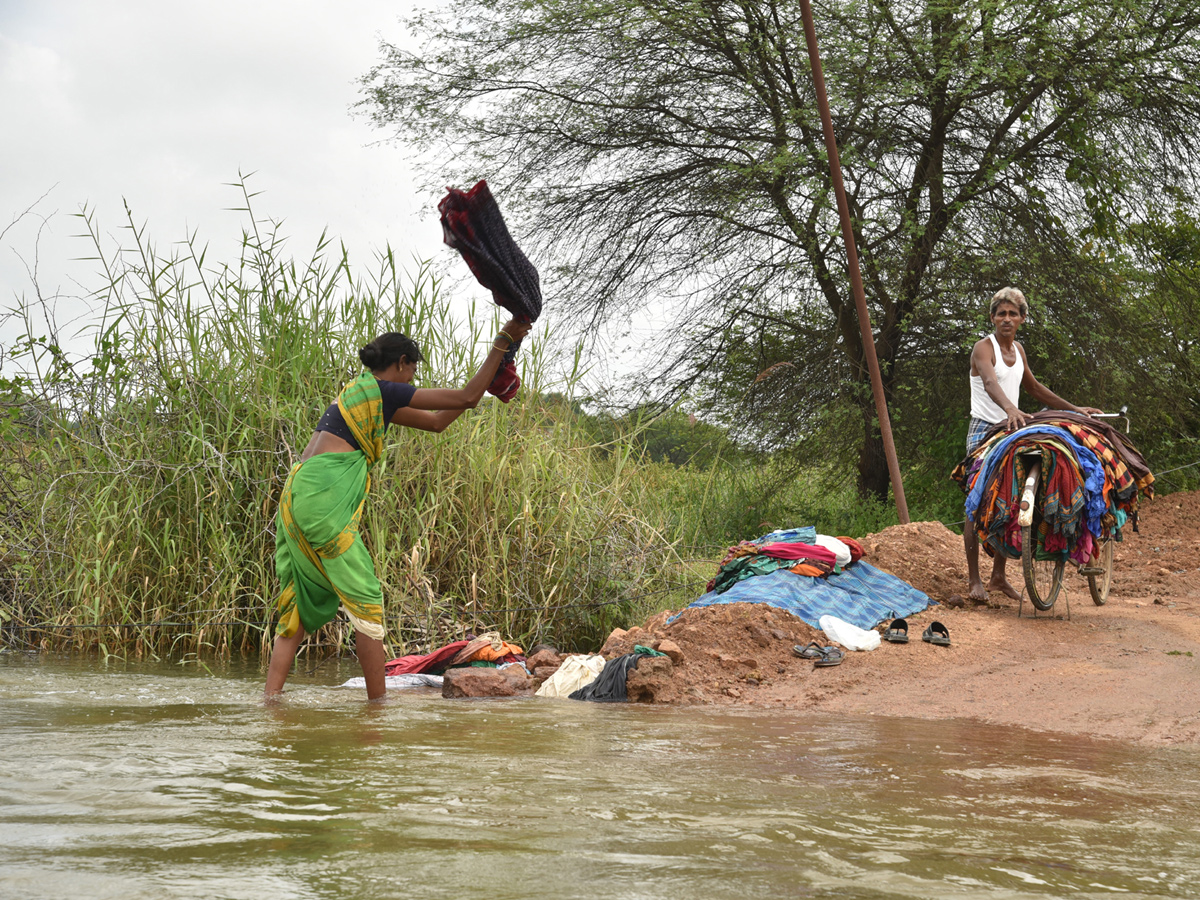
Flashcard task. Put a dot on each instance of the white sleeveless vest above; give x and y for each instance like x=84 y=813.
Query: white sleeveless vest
x=1009 y=379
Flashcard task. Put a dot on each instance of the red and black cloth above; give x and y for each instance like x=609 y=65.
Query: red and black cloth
x=472 y=225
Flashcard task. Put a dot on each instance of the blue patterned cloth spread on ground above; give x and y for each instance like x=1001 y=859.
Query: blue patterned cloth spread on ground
x=861 y=595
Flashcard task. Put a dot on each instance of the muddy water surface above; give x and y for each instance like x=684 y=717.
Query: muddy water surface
x=160 y=782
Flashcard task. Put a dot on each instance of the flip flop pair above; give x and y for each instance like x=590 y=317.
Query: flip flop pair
x=936 y=633
x=821 y=656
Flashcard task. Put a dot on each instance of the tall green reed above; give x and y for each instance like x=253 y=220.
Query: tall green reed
x=149 y=473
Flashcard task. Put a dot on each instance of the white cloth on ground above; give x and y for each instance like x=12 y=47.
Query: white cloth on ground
x=393 y=682
x=574 y=673
x=849 y=636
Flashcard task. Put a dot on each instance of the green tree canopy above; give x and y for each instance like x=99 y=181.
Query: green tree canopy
x=672 y=151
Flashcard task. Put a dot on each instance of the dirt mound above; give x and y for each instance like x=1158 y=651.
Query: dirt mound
x=726 y=651
x=742 y=652
x=1125 y=670
x=1162 y=560
x=927 y=555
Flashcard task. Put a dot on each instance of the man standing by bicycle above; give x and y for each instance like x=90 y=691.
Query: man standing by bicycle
x=999 y=369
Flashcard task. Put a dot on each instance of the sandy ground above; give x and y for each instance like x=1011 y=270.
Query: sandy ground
x=1128 y=670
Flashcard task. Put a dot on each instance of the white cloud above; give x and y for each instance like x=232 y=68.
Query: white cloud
x=163 y=103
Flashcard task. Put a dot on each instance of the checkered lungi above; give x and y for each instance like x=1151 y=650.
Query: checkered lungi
x=979 y=427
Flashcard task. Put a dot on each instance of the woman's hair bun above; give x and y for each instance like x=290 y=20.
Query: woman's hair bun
x=388 y=348
x=370 y=356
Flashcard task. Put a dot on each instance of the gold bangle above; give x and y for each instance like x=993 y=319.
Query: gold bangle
x=511 y=339
x=501 y=349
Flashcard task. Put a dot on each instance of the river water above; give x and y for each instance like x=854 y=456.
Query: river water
x=164 y=782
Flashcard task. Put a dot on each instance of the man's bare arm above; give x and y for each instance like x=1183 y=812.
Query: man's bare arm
x=1044 y=395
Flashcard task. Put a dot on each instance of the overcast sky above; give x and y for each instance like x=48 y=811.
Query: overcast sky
x=163 y=103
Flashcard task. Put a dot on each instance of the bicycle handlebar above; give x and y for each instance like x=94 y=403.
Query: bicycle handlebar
x=1122 y=414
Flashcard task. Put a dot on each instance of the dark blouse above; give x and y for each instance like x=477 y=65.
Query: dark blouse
x=396 y=395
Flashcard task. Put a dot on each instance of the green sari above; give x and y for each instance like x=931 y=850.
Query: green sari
x=319 y=554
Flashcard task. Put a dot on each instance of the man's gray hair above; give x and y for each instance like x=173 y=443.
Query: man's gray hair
x=1009 y=295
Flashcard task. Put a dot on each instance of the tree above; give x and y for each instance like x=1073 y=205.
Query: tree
x=1164 y=278
x=671 y=151
x=670 y=436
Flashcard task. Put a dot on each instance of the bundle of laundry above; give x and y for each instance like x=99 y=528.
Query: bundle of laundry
x=472 y=225
x=810 y=576
x=610 y=686
x=592 y=677
x=487 y=649
x=576 y=672
x=1091 y=476
x=799 y=550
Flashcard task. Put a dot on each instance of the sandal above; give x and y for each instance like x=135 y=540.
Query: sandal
x=897 y=632
x=936 y=633
x=830 y=656
x=812 y=651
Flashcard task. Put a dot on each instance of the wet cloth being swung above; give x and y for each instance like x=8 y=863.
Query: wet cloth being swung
x=472 y=225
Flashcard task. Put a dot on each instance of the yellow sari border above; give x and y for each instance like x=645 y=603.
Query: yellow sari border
x=361 y=406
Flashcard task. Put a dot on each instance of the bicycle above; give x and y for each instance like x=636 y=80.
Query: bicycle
x=1044 y=577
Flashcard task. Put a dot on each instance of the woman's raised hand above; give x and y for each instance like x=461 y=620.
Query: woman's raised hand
x=516 y=330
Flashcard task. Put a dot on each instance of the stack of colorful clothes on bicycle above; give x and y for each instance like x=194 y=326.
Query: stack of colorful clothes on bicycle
x=810 y=576
x=1090 y=478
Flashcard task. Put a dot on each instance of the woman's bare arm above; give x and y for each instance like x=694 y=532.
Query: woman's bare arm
x=425 y=420
x=469 y=395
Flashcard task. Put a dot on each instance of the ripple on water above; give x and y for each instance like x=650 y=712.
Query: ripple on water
x=161 y=782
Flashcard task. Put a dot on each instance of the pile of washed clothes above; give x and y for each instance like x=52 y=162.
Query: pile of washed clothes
x=587 y=677
x=1091 y=476
x=592 y=677
x=488 y=650
x=799 y=550
x=810 y=575
x=425 y=670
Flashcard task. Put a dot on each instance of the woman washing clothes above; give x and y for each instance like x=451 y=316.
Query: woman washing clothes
x=319 y=554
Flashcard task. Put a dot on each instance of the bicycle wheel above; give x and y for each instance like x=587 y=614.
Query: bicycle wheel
x=1100 y=584
x=1043 y=577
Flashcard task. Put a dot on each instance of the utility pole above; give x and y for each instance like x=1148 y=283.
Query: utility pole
x=860 y=298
